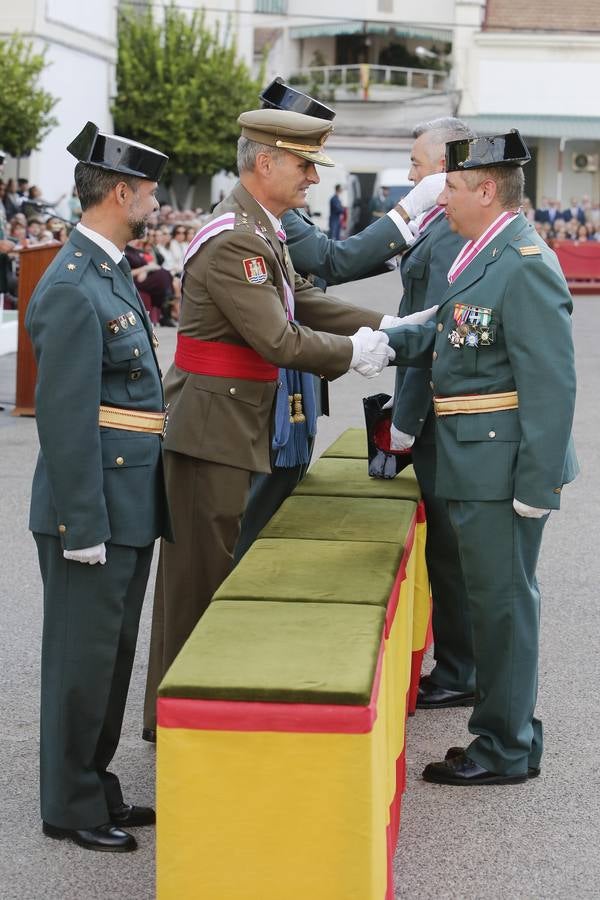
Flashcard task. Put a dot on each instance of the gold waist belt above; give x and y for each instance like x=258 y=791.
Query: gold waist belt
x=132 y=419
x=475 y=403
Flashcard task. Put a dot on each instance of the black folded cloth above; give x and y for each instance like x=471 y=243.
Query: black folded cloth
x=383 y=462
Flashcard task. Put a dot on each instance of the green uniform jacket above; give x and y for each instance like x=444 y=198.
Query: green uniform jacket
x=526 y=452
x=93 y=344
x=227 y=420
x=336 y=262
x=424 y=270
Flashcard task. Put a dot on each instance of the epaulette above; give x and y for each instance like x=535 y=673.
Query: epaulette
x=72 y=266
x=522 y=245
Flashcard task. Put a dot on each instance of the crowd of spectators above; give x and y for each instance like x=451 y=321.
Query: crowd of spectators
x=579 y=222
x=26 y=219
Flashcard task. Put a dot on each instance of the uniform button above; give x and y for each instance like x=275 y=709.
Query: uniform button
x=557 y=490
x=492 y=434
x=434 y=356
x=78 y=253
x=393 y=245
x=137 y=373
x=62 y=528
x=136 y=352
x=119 y=460
x=233 y=391
x=279 y=383
x=421 y=420
x=432 y=385
x=440 y=326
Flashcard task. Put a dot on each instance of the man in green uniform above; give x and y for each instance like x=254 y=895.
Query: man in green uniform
x=424 y=269
x=98 y=501
x=250 y=331
x=323 y=261
x=503 y=380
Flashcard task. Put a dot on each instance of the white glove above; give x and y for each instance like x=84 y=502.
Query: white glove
x=399 y=440
x=417 y=318
x=528 y=512
x=424 y=194
x=89 y=555
x=371 y=352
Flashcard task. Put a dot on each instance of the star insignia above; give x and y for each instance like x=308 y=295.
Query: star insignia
x=71 y=267
x=105 y=267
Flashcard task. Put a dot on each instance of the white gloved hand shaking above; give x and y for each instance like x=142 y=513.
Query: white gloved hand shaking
x=423 y=195
x=417 y=318
x=528 y=512
x=399 y=440
x=89 y=555
x=370 y=352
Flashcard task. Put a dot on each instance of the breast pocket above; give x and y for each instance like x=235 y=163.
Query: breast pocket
x=130 y=366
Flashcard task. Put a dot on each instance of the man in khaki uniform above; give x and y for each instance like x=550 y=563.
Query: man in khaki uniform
x=239 y=329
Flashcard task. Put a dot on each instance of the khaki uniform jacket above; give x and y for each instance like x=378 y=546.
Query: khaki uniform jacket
x=527 y=452
x=228 y=420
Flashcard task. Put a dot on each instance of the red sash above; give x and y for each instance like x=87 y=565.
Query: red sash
x=225 y=360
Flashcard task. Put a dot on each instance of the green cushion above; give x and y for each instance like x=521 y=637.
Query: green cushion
x=281 y=653
x=350 y=478
x=324 y=571
x=341 y=519
x=352 y=444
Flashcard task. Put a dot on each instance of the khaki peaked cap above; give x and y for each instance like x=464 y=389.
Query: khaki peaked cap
x=299 y=134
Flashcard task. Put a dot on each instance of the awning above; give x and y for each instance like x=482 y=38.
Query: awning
x=393 y=29
x=583 y=128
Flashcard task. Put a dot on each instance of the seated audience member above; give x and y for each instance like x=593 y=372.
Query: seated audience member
x=151 y=279
x=178 y=245
x=11 y=199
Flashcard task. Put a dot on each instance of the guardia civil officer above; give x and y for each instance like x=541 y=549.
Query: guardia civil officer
x=249 y=333
x=424 y=269
x=503 y=380
x=323 y=261
x=98 y=500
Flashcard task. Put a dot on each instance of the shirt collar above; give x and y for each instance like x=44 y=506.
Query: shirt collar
x=109 y=248
x=276 y=223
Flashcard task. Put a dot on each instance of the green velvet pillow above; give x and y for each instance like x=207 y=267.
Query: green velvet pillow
x=350 y=478
x=341 y=519
x=324 y=571
x=352 y=444
x=280 y=653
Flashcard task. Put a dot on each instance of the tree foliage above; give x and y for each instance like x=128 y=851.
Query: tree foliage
x=180 y=88
x=25 y=108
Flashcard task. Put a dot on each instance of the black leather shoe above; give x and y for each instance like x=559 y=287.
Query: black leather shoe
x=532 y=771
x=149 y=734
x=103 y=837
x=126 y=816
x=460 y=770
x=431 y=696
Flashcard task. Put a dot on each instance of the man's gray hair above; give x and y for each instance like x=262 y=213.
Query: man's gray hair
x=444 y=129
x=248 y=150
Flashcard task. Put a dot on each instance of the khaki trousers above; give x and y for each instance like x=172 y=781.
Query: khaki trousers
x=206 y=502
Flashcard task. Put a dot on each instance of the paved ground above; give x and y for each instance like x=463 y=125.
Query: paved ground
x=532 y=842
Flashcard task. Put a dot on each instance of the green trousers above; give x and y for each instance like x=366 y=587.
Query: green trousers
x=453 y=641
x=91 y=619
x=499 y=553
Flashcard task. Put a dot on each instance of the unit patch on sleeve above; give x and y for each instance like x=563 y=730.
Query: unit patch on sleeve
x=255 y=269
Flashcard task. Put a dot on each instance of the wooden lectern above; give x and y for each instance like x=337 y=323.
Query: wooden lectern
x=34 y=262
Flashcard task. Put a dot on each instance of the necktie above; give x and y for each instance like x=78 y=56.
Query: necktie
x=125 y=268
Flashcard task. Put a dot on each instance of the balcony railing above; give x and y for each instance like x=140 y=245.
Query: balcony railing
x=356 y=76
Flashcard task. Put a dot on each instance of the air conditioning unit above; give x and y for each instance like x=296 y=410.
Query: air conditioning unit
x=585 y=162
